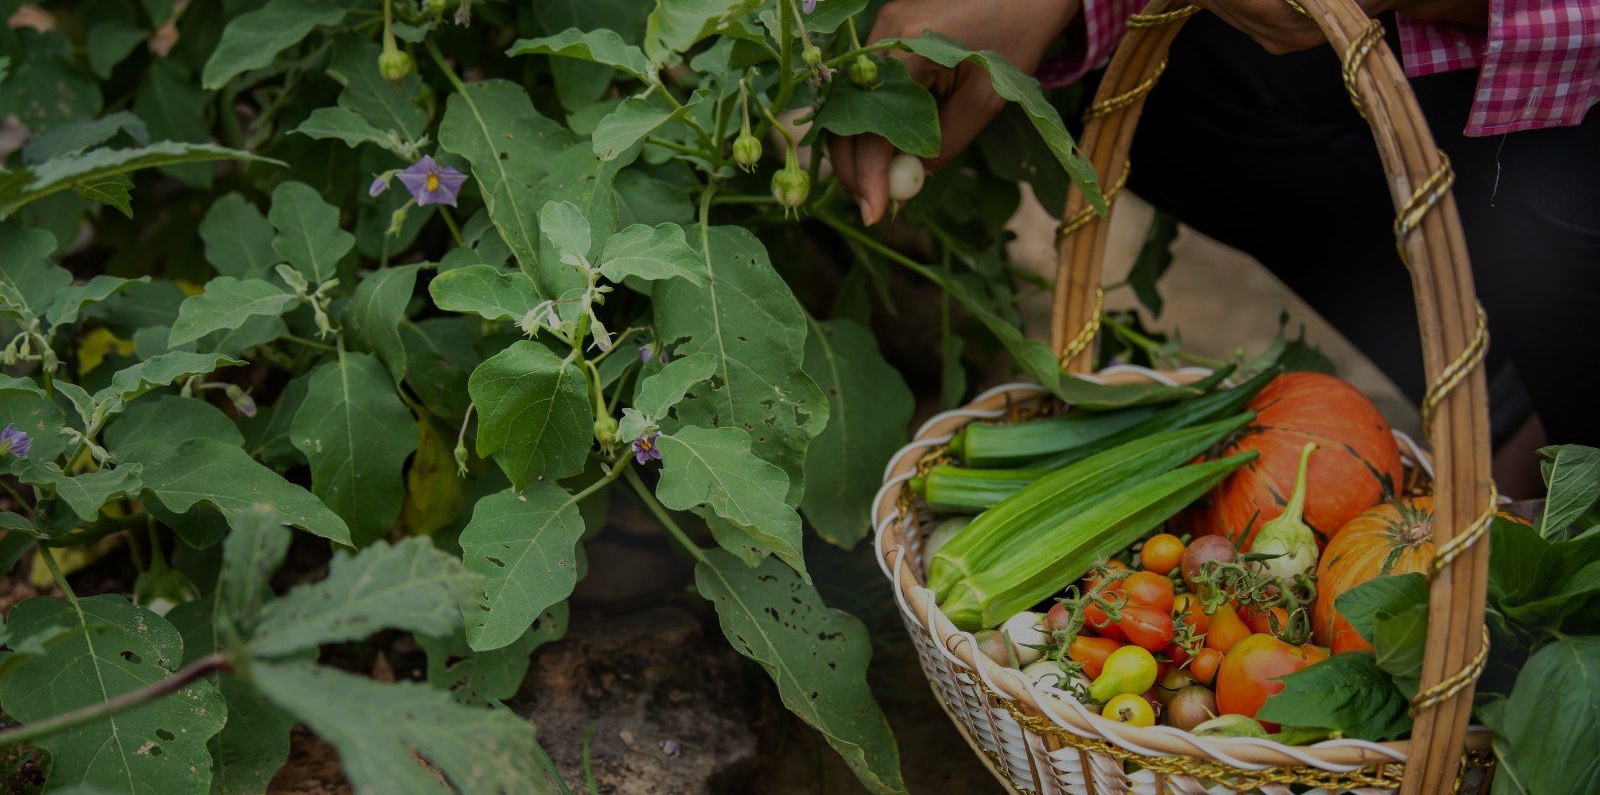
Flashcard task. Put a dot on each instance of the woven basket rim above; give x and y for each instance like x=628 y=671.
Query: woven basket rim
x=918 y=605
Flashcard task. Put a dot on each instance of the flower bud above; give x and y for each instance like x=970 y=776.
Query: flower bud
x=812 y=55
x=605 y=429
x=395 y=64
x=791 y=184
x=746 y=150
x=864 y=72
x=437 y=7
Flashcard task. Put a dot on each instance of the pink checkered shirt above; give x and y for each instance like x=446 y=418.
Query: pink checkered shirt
x=1538 y=61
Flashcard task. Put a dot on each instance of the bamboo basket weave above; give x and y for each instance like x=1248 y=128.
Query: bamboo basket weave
x=1040 y=744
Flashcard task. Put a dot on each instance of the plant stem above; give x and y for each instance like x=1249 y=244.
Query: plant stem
x=674 y=146
x=785 y=57
x=444 y=66
x=313 y=344
x=588 y=491
x=22 y=505
x=877 y=247
x=660 y=512
x=450 y=221
x=50 y=563
x=886 y=44
x=132 y=699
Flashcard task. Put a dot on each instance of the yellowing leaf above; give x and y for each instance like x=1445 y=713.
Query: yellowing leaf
x=72 y=559
x=94 y=347
x=433 y=491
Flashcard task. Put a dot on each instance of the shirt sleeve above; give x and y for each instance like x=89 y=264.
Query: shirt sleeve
x=1538 y=62
x=1090 y=41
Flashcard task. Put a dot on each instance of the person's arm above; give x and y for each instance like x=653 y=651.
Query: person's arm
x=1279 y=28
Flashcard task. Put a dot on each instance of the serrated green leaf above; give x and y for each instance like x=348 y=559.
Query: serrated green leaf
x=494 y=126
x=115 y=190
x=534 y=414
x=159 y=371
x=1552 y=718
x=652 y=253
x=410 y=586
x=72 y=300
x=676 y=25
x=898 y=109
x=869 y=411
x=384 y=104
x=225 y=477
x=523 y=545
x=598 y=46
x=83 y=493
x=484 y=678
x=634 y=119
x=1366 y=604
x=113 y=647
x=376 y=311
x=747 y=318
x=226 y=304
x=309 y=237
x=1011 y=84
x=27 y=185
x=356 y=433
x=238 y=238
x=817 y=657
x=715 y=468
x=253 y=40
x=379 y=731
x=486 y=291
x=1346 y=693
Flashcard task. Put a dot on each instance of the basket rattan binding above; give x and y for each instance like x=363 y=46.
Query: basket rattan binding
x=1035 y=744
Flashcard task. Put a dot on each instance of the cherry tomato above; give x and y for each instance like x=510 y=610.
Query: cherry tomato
x=1150 y=590
x=1091 y=653
x=1202 y=549
x=1116 y=566
x=1096 y=618
x=1130 y=708
x=1226 y=629
x=1250 y=671
x=1186 y=607
x=1162 y=553
x=1259 y=621
x=1176 y=654
x=1058 y=618
x=1149 y=628
x=1205 y=665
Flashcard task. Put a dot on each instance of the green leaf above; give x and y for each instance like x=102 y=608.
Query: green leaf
x=384 y=104
x=159 y=371
x=746 y=317
x=47 y=87
x=379 y=731
x=869 y=411
x=225 y=477
x=1346 y=693
x=254 y=39
x=1515 y=552
x=1155 y=257
x=533 y=413
x=439 y=358
x=494 y=126
x=1400 y=640
x=652 y=253
x=1366 y=604
x=356 y=433
x=409 y=586
x=484 y=678
x=376 y=311
x=676 y=25
x=309 y=236
x=251 y=554
x=83 y=493
x=26 y=185
x=817 y=657
x=170 y=419
x=114 y=31
x=634 y=119
x=178 y=109
x=226 y=304
x=563 y=224
x=112 y=648
x=1552 y=718
x=72 y=300
x=348 y=126
x=25 y=406
x=715 y=468
x=660 y=391
x=523 y=545
x=1560 y=598
x=1011 y=84
x=238 y=238
x=599 y=46
x=29 y=281
x=1573 y=476
x=115 y=190
x=898 y=109
x=486 y=291
x=578 y=176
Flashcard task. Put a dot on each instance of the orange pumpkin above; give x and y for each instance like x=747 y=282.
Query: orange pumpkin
x=1393 y=538
x=1356 y=466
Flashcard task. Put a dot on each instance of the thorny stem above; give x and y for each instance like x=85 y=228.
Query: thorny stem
x=132 y=699
x=660 y=512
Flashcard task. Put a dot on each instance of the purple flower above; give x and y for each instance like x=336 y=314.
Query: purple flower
x=808 y=6
x=17 y=443
x=379 y=185
x=431 y=183
x=652 y=353
x=644 y=448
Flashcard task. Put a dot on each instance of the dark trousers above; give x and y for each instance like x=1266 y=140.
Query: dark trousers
x=1267 y=154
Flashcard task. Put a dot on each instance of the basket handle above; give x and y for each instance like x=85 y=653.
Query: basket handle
x=1428 y=234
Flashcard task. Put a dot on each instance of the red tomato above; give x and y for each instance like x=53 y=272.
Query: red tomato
x=1091 y=652
x=1205 y=666
x=1116 y=566
x=1259 y=621
x=1149 y=590
x=1147 y=627
x=1176 y=654
x=1096 y=619
x=1226 y=629
x=1162 y=553
x=1186 y=607
x=1250 y=671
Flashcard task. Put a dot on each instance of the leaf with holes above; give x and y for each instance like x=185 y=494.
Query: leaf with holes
x=523 y=545
x=714 y=468
x=112 y=647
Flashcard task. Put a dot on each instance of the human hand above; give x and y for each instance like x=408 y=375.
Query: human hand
x=1019 y=30
x=1279 y=28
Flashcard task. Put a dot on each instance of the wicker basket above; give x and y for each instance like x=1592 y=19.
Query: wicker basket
x=1039 y=744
